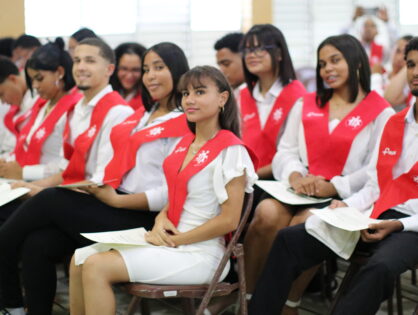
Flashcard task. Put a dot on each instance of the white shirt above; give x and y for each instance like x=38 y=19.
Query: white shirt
x=365 y=198
x=237 y=92
x=265 y=103
x=100 y=152
x=7 y=138
x=291 y=153
x=50 y=158
x=147 y=175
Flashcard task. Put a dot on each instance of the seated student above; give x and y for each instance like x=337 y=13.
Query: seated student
x=391 y=187
x=6 y=46
x=37 y=152
x=15 y=105
x=77 y=37
x=23 y=48
x=127 y=76
x=47 y=228
x=271 y=91
x=326 y=145
x=229 y=60
x=207 y=175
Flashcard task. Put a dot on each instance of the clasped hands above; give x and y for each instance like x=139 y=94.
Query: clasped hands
x=312 y=185
x=162 y=232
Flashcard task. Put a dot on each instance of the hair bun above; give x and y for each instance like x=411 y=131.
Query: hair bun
x=59 y=42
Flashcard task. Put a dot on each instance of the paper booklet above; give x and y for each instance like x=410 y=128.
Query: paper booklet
x=8 y=194
x=125 y=237
x=284 y=193
x=346 y=218
x=85 y=184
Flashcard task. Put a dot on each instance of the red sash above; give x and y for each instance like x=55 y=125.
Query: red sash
x=327 y=153
x=136 y=101
x=8 y=119
x=177 y=180
x=126 y=145
x=76 y=168
x=376 y=53
x=405 y=187
x=32 y=154
x=264 y=142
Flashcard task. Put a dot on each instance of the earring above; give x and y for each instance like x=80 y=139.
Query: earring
x=222 y=108
x=57 y=81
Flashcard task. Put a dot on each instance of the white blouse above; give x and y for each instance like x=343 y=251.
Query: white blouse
x=147 y=175
x=291 y=153
x=265 y=103
x=100 y=152
x=365 y=198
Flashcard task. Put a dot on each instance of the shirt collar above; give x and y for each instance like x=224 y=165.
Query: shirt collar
x=107 y=89
x=410 y=117
x=274 y=91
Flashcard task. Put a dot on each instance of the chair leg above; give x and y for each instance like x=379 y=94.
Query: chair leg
x=352 y=270
x=398 y=290
x=239 y=253
x=390 y=304
x=133 y=305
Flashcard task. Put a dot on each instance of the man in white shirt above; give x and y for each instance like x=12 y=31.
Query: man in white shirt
x=229 y=60
x=392 y=243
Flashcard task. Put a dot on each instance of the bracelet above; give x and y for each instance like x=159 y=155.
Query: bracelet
x=293 y=304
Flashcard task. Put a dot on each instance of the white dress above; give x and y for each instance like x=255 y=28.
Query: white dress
x=195 y=263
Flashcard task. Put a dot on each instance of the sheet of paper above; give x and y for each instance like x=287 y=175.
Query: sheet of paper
x=281 y=192
x=7 y=180
x=347 y=218
x=126 y=237
x=8 y=194
x=69 y=186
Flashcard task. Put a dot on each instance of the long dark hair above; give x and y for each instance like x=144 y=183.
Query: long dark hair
x=229 y=116
x=176 y=61
x=358 y=68
x=123 y=49
x=269 y=35
x=49 y=57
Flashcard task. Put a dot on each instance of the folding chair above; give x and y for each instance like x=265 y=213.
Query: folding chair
x=204 y=292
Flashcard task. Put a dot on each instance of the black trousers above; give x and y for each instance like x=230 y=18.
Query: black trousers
x=294 y=251
x=42 y=231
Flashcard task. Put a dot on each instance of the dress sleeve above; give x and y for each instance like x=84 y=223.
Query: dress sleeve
x=233 y=162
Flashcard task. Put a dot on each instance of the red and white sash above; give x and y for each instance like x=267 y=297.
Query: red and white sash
x=77 y=155
x=405 y=187
x=31 y=154
x=177 y=179
x=264 y=142
x=327 y=153
x=125 y=145
x=376 y=54
x=136 y=101
x=410 y=99
x=8 y=119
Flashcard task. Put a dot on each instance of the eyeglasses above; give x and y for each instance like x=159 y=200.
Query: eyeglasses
x=259 y=51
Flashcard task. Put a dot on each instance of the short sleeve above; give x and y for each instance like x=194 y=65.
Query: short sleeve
x=233 y=162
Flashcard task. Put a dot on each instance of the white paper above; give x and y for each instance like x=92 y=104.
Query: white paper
x=346 y=218
x=7 y=180
x=125 y=237
x=8 y=194
x=281 y=192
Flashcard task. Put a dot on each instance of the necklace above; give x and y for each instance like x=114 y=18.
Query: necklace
x=195 y=148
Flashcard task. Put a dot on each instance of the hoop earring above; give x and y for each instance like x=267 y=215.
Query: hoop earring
x=222 y=108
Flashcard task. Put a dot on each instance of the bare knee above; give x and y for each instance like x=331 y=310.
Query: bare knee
x=270 y=215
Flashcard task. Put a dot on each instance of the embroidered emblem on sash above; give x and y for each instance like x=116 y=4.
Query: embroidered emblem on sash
x=180 y=149
x=248 y=117
x=313 y=114
x=278 y=114
x=155 y=131
x=40 y=134
x=202 y=157
x=91 y=132
x=355 y=122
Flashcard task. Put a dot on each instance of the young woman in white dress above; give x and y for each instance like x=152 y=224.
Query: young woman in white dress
x=187 y=240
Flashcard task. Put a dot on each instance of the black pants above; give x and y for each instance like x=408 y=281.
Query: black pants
x=295 y=251
x=42 y=231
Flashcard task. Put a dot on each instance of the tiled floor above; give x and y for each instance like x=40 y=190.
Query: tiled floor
x=311 y=304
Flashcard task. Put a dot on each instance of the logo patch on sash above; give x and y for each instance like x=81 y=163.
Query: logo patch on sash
x=40 y=134
x=278 y=114
x=155 y=131
x=355 y=122
x=180 y=149
x=202 y=157
x=91 y=132
x=313 y=114
x=248 y=117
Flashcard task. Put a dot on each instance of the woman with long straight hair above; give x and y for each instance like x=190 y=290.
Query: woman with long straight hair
x=326 y=145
